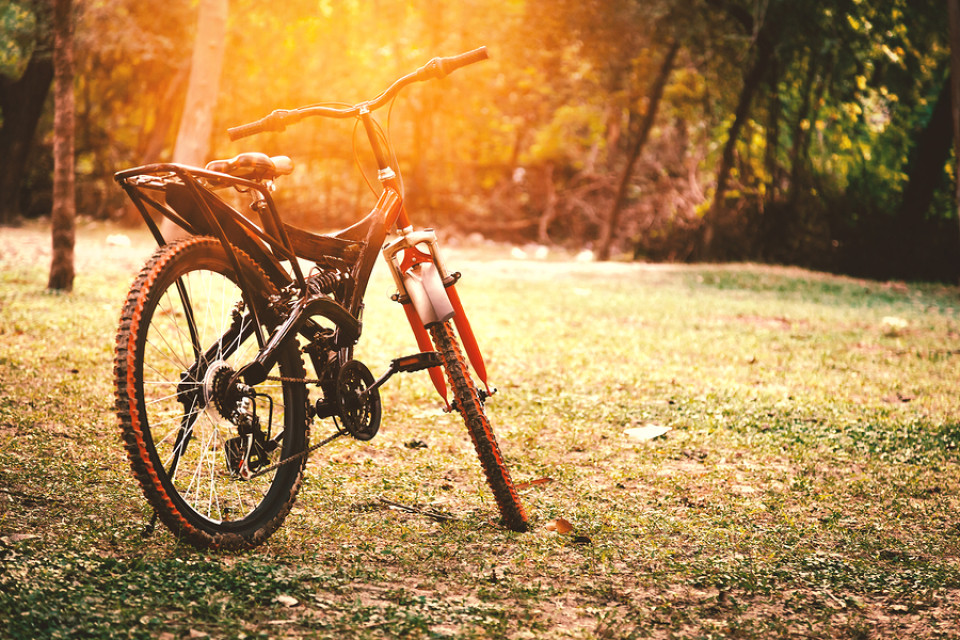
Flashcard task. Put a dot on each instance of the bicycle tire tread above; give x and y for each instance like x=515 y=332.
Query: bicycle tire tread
x=132 y=427
x=467 y=402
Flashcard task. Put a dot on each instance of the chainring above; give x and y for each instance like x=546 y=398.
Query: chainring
x=357 y=404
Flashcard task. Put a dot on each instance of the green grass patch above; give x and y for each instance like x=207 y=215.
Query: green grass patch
x=808 y=485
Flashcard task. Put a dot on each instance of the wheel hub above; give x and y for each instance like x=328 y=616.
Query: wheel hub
x=219 y=394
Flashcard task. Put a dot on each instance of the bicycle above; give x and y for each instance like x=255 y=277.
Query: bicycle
x=212 y=393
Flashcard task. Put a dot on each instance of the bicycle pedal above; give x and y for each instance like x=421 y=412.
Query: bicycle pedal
x=416 y=362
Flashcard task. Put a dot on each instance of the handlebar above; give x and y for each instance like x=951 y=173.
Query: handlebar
x=279 y=119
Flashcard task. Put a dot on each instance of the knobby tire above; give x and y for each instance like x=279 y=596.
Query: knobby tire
x=174 y=439
x=467 y=403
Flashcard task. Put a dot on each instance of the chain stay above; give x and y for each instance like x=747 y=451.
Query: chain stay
x=293 y=380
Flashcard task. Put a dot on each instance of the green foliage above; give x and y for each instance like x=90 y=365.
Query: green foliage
x=532 y=143
x=572 y=128
x=17 y=25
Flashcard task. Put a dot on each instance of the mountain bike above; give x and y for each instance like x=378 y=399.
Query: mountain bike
x=212 y=393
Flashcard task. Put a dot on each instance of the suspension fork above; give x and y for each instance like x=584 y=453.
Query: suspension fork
x=429 y=295
x=425 y=288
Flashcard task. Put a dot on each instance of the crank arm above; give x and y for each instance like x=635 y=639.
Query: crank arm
x=407 y=364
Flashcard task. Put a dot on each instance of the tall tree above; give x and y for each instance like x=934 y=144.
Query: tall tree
x=64 y=198
x=196 y=124
x=954 y=16
x=608 y=230
x=932 y=151
x=21 y=104
x=765 y=36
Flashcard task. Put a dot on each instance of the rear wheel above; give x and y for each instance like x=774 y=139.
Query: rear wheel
x=203 y=448
x=467 y=402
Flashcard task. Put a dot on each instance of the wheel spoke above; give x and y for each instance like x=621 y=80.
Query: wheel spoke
x=182 y=330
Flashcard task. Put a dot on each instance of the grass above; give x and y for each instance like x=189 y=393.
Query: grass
x=808 y=486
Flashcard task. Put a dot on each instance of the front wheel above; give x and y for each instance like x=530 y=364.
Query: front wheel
x=467 y=402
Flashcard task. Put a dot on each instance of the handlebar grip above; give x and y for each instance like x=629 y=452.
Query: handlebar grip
x=244 y=130
x=442 y=67
x=276 y=121
x=452 y=63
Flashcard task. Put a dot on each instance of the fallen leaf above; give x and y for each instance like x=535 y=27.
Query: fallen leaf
x=533 y=483
x=19 y=537
x=198 y=634
x=646 y=432
x=560 y=525
x=892 y=326
x=898 y=398
x=287 y=601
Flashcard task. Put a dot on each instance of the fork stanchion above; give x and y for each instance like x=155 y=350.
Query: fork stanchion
x=423 y=342
x=466 y=336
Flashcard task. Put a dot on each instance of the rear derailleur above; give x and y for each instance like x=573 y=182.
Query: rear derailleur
x=249 y=451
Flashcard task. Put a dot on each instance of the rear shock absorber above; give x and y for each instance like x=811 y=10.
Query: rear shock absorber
x=323 y=281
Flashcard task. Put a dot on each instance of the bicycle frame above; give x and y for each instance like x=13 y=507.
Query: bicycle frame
x=198 y=210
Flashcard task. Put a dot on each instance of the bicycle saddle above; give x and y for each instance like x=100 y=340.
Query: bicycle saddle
x=253 y=166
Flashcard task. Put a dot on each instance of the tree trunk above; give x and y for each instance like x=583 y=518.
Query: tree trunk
x=772 y=145
x=608 y=231
x=714 y=219
x=799 y=133
x=64 y=197
x=196 y=125
x=954 y=17
x=154 y=138
x=926 y=172
x=549 y=207
x=21 y=103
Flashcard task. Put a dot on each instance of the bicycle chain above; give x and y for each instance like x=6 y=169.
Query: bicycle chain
x=305 y=452
x=296 y=456
x=294 y=380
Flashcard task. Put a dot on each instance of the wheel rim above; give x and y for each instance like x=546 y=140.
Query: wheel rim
x=188 y=434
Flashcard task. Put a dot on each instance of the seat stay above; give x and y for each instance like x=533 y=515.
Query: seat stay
x=192 y=205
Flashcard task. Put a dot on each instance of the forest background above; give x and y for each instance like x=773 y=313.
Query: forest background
x=816 y=134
